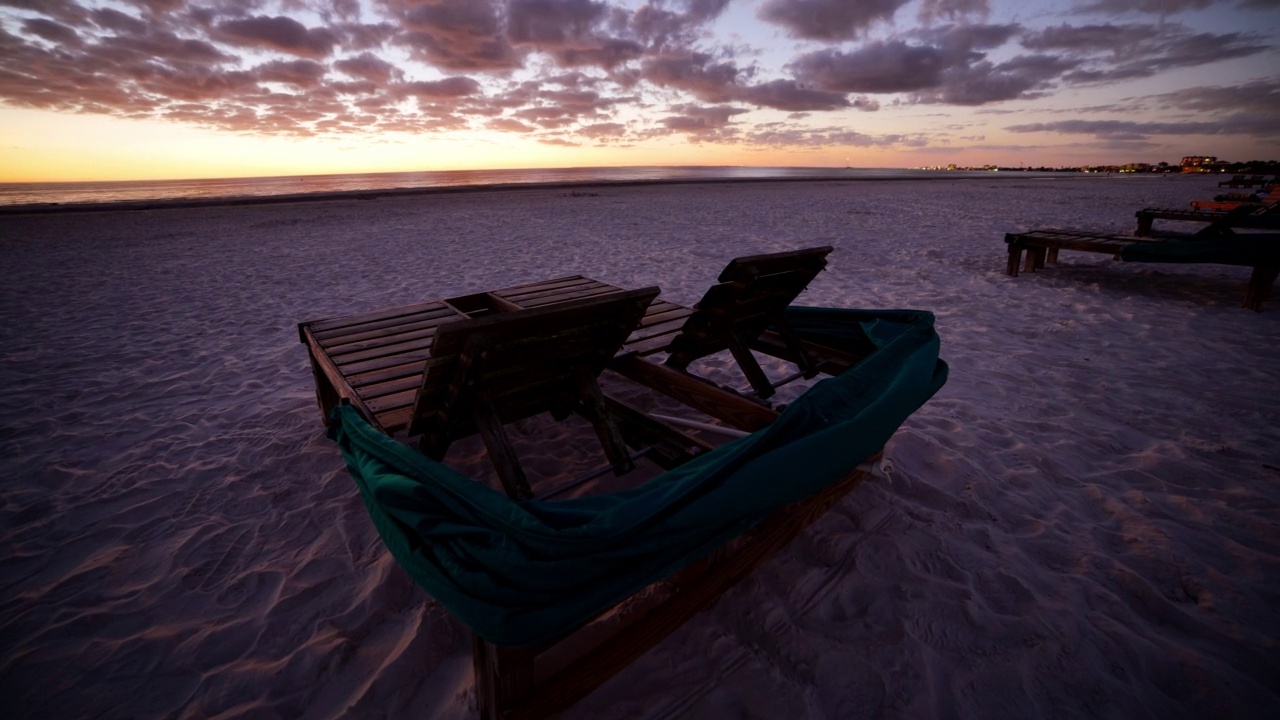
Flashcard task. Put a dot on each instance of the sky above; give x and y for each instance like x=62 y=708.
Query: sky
x=151 y=89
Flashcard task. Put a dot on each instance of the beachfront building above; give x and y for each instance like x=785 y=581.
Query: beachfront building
x=1202 y=163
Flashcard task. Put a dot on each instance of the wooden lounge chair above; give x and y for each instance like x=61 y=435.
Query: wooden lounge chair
x=498 y=361
x=495 y=369
x=1221 y=222
x=752 y=295
x=1259 y=251
x=1229 y=204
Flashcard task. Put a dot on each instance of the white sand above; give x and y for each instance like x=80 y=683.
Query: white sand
x=1085 y=522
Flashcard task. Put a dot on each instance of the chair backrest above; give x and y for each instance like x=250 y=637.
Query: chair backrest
x=752 y=294
x=520 y=363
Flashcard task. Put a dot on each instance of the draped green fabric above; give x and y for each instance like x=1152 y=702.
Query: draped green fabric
x=1258 y=249
x=520 y=573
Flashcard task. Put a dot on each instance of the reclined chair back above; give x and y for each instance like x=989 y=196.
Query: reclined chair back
x=753 y=294
x=496 y=369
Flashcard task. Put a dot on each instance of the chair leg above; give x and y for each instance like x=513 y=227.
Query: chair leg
x=1259 y=287
x=501 y=454
x=1032 y=260
x=503 y=677
x=751 y=368
x=1144 y=225
x=1015 y=259
x=793 y=342
x=326 y=395
x=595 y=410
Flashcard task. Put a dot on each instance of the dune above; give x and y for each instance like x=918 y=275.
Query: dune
x=1085 y=521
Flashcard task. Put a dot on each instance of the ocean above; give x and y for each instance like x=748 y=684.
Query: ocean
x=66 y=193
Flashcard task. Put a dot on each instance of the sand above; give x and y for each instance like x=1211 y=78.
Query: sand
x=1084 y=522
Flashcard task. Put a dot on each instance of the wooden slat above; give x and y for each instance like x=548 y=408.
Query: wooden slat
x=562 y=297
x=736 y=410
x=653 y=339
x=324 y=329
x=540 y=285
x=386 y=336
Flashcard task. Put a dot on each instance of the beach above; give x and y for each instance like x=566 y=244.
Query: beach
x=1083 y=522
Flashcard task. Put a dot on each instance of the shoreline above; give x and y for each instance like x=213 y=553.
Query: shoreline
x=400 y=192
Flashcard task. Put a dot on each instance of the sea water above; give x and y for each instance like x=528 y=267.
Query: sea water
x=59 y=193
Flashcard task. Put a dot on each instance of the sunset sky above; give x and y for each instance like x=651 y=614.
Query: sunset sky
x=134 y=89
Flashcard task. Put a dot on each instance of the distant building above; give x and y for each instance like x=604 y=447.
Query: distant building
x=1201 y=163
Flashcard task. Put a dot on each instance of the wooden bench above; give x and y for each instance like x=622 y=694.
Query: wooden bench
x=1042 y=246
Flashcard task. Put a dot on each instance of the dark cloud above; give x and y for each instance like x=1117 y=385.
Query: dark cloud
x=1119 y=129
x=1261 y=97
x=1158 y=7
x=277 y=33
x=830 y=20
x=66 y=11
x=788 y=95
x=369 y=67
x=111 y=19
x=448 y=88
x=948 y=64
x=877 y=67
x=984 y=82
x=299 y=73
x=456 y=34
x=695 y=73
x=553 y=22
x=52 y=31
x=701 y=120
x=1109 y=53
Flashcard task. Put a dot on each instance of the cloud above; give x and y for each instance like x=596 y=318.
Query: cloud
x=509 y=125
x=788 y=95
x=601 y=131
x=1109 y=53
x=693 y=72
x=368 y=67
x=701 y=120
x=455 y=34
x=448 y=88
x=877 y=67
x=277 y=33
x=830 y=20
x=933 y=10
x=1025 y=76
x=52 y=31
x=779 y=136
x=1157 y=7
x=553 y=22
x=299 y=73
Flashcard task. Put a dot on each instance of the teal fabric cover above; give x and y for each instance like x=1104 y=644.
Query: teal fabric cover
x=1258 y=249
x=520 y=573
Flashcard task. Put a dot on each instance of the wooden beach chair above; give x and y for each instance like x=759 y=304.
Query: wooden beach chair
x=1226 y=204
x=495 y=369
x=481 y=361
x=1259 y=251
x=1222 y=222
x=751 y=296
